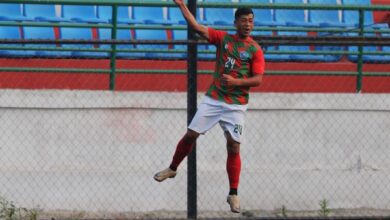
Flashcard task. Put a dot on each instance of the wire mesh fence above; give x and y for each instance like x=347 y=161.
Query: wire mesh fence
x=93 y=154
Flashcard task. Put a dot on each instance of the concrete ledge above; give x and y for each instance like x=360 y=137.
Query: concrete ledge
x=169 y=100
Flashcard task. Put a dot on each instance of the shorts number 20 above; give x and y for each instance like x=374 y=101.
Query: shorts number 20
x=238 y=129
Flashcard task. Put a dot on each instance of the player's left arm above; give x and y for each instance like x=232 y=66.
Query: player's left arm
x=257 y=73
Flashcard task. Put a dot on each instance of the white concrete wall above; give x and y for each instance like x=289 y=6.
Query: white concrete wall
x=98 y=150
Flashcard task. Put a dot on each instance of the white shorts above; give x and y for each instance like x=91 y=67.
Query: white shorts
x=229 y=116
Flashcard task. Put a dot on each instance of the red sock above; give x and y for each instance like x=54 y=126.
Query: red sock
x=233 y=167
x=182 y=150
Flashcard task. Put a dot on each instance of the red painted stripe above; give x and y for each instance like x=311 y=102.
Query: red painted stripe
x=178 y=82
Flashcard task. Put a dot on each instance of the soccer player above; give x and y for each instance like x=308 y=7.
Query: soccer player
x=239 y=66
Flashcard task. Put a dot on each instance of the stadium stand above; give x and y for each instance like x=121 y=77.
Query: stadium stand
x=291 y=17
x=304 y=48
x=80 y=34
x=151 y=35
x=81 y=13
x=270 y=48
x=150 y=15
x=123 y=16
x=175 y=16
x=351 y=17
x=218 y=16
x=325 y=18
x=42 y=12
x=179 y=35
x=263 y=17
x=369 y=58
x=386 y=48
x=209 y=56
x=123 y=34
x=10 y=32
x=42 y=33
x=330 y=57
x=182 y=35
x=12 y=12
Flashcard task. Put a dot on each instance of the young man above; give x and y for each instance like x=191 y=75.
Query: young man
x=239 y=66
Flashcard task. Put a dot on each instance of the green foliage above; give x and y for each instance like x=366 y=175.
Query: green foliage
x=324 y=209
x=248 y=214
x=9 y=211
x=284 y=211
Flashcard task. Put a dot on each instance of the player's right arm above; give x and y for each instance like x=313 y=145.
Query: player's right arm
x=191 y=21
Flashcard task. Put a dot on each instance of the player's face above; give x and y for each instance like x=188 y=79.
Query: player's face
x=244 y=25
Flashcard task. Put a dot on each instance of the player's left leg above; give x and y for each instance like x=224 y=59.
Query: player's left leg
x=233 y=167
x=232 y=122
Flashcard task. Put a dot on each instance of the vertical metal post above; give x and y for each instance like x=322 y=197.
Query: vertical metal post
x=359 y=79
x=113 y=47
x=191 y=110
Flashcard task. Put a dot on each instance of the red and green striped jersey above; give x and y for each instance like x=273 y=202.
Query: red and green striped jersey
x=240 y=58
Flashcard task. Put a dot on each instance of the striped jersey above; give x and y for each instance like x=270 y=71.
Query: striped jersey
x=240 y=58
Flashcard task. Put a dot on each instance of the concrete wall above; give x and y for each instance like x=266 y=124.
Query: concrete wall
x=98 y=150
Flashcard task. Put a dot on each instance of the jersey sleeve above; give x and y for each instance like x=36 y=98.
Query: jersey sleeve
x=258 y=62
x=215 y=36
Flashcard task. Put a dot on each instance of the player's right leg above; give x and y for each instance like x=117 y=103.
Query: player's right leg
x=183 y=148
x=207 y=115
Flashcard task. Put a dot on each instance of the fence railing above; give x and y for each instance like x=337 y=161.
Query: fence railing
x=113 y=50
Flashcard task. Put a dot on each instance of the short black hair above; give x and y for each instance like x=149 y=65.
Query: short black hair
x=242 y=11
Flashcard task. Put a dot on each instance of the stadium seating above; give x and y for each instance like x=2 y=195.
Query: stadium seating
x=175 y=16
x=80 y=34
x=218 y=16
x=12 y=12
x=205 y=51
x=386 y=49
x=105 y=12
x=40 y=12
x=266 y=48
x=211 y=52
x=351 y=17
x=304 y=48
x=271 y=48
x=325 y=18
x=291 y=17
x=179 y=35
x=10 y=32
x=368 y=58
x=263 y=17
x=141 y=34
x=330 y=57
x=81 y=13
x=42 y=33
x=150 y=15
x=122 y=34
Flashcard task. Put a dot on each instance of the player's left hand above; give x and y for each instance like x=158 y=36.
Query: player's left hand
x=228 y=80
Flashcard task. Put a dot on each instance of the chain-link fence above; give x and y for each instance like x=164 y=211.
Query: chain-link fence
x=83 y=136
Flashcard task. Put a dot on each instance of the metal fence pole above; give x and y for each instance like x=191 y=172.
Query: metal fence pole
x=359 y=78
x=191 y=110
x=113 y=47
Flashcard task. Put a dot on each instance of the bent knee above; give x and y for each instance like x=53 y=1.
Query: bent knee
x=191 y=136
x=232 y=145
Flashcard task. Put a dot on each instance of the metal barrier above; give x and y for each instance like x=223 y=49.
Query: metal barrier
x=114 y=26
x=91 y=154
